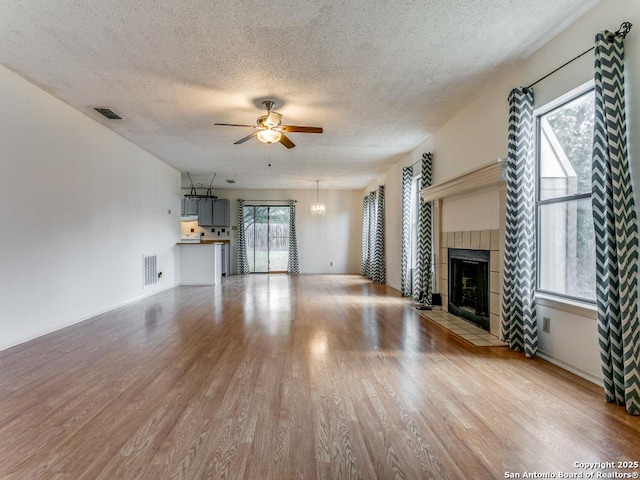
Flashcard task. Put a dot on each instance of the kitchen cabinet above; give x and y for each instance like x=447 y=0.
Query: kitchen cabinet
x=205 y=212
x=221 y=213
x=189 y=206
x=213 y=212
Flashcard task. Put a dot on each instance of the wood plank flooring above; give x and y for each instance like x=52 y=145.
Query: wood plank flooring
x=278 y=377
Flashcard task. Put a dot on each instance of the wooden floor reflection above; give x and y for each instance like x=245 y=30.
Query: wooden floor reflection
x=278 y=377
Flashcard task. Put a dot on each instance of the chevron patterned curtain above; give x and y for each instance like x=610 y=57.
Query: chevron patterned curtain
x=293 y=266
x=364 y=266
x=372 y=232
x=242 y=266
x=373 y=254
x=407 y=175
x=614 y=217
x=519 y=324
x=379 y=269
x=422 y=288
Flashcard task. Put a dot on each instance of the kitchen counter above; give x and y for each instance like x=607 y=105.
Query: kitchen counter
x=200 y=266
x=204 y=242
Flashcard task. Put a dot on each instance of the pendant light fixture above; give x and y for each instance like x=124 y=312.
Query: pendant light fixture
x=317 y=208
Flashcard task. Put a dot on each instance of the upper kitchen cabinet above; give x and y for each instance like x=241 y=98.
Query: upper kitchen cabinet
x=221 y=213
x=189 y=206
x=213 y=212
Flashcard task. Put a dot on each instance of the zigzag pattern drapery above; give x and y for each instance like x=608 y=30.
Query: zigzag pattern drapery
x=519 y=323
x=242 y=266
x=379 y=268
x=364 y=264
x=293 y=266
x=614 y=217
x=372 y=232
x=405 y=284
x=422 y=288
x=373 y=248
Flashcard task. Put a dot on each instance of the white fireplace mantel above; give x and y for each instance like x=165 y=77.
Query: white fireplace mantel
x=489 y=175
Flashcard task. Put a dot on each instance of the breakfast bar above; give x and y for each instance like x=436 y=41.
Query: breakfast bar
x=200 y=263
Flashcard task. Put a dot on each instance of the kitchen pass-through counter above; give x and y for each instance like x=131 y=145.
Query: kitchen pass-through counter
x=200 y=262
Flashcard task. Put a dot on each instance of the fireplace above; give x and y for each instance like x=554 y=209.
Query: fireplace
x=469 y=285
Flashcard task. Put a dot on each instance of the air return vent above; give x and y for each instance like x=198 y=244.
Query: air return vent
x=107 y=112
x=150 y=269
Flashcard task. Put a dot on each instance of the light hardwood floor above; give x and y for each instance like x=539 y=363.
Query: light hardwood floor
x=278 y=377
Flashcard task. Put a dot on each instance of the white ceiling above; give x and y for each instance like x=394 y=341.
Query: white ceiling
x=377 y=75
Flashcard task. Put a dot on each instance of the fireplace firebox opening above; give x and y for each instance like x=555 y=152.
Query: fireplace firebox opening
x=469 y=285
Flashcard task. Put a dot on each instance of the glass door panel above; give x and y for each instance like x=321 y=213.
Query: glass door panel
x=267 y=238
x=278 y=239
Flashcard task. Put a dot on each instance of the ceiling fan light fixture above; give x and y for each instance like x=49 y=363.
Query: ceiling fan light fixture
x=269 y=136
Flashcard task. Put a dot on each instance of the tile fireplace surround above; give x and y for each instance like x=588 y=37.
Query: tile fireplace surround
x=475 y=240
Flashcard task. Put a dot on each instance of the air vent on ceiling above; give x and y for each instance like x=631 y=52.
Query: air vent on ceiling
x=107 y=112
x=231 y=181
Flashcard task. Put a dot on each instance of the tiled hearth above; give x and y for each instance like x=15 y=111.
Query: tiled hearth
x=474 y=240
x=462 y=328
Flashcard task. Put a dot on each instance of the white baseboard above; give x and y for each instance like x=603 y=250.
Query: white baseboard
x=41 y=333
x=571 y=368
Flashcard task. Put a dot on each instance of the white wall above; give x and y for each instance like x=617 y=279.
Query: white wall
x=79 y=205
x=322 y=240
x=476 y=135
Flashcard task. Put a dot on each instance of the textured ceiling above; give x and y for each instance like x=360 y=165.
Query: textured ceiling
x=377 y=75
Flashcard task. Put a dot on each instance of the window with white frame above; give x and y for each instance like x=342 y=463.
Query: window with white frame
x=565 y=233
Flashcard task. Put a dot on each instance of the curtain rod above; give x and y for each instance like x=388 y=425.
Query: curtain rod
x=417 y=161
x=621 y=32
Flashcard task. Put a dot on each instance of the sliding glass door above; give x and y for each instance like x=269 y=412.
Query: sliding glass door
x=267 y=237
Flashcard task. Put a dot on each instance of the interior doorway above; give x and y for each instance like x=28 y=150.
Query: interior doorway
x=267 y=237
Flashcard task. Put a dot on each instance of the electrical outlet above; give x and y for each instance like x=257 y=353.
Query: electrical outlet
x=546 y=324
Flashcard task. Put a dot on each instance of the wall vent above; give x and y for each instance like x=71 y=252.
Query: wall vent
x=107 y=112
x=150 y=269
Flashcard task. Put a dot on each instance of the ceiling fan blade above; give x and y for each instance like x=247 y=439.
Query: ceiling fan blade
x=297 y=128
x=286 y=141
x=248 y=137
x=234 y=125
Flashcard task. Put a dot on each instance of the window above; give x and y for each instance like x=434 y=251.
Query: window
x=566 y=238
